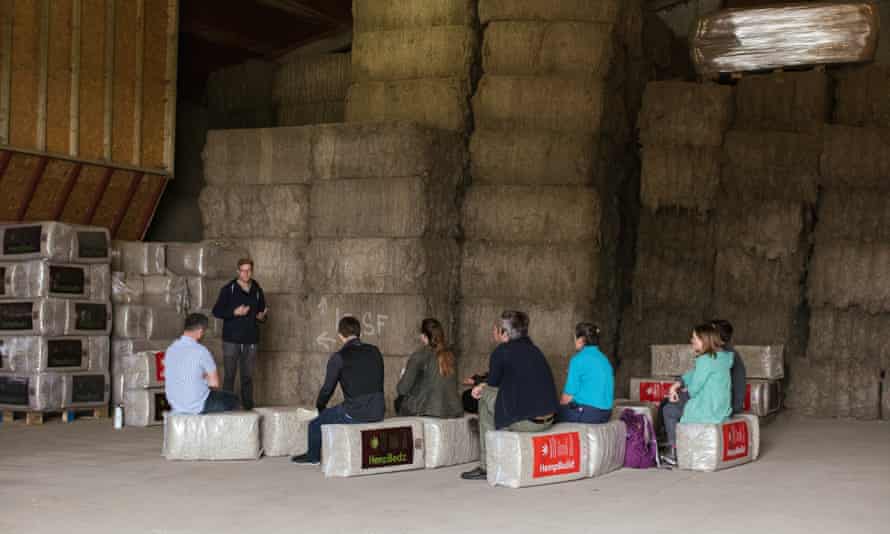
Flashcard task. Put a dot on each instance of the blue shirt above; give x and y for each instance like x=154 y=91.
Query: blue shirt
x=591 y=381
x=185 y=364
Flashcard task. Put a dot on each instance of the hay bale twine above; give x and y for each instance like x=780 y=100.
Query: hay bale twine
x=844 y=274
x=862 y=98
x=377 y=15
x=685 y=113
x=438 y=103
x=857 y=157
x=680 y=176
x=783 y=101
x=439 y=52
x=255 y=211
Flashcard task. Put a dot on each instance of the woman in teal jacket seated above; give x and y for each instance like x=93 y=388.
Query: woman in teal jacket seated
x=588 y=394
x=708 y=388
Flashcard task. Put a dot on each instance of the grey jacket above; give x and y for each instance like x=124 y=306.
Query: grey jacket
x=425 y=391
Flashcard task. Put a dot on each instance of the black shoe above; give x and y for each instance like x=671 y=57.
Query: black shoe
x=474 y=474
x=304 y=459
x=669 y=460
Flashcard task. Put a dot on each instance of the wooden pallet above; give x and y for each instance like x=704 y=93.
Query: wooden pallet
x=66 y=416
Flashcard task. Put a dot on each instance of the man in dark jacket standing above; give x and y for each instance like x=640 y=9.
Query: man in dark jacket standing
x=241 y=304
x=358 y=368
x=520 y=394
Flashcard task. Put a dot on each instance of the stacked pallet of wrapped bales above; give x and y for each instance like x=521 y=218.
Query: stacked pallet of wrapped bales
x=413 y=61
x=682 y=126
x=55 y=317
x=847 y=287
x=241 y=96
x=311 y=89
x=549 y=156
x=384 y=219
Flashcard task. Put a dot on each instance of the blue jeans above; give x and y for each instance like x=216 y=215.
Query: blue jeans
x=220 y=401
x=335 y=415
x=582 y=413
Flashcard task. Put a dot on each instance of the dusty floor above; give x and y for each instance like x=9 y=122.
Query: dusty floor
x=813 y=476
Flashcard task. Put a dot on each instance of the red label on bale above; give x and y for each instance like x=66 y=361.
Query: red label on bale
x=557 y=454
x=654 y=391
x=159 y=365
x=735 y=440
x=747 y=397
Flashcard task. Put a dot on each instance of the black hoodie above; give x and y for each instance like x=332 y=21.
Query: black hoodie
x=242 y=330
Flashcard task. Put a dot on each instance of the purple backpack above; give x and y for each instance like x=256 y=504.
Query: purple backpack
x=641 y=449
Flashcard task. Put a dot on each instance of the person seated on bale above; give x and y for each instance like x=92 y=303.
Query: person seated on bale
x=738 y=372
x=191 y=377
x=358 y=368
x=428 y=386
x=519 y=395
x=589 y=391
x=707 y=397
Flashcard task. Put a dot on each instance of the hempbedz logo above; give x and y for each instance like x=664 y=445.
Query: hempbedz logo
x=387 y=447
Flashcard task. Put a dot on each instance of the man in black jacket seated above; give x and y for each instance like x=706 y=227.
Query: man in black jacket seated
x=358 y=368
x=520 y=394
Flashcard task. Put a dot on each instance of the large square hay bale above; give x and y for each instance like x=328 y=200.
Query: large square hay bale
x=284 y=430
x=771 y=229
x=255 y=211
x=857 y=215
x=848 y=335
x=435 y=102
x=703 y=447
x=783 y=101
x=685 y=113
x=558 y=10
x=33 y=354
x=32 y=392
x=217 y=436
x=450 y=441
x=147 y=322
x=606 y=445
x=372 y=448
x=138 y=257
x=862 y=98
x=374 y=15
x=742 y=278
x=680 y=176
x=55 y=317
x=407 y=54
x=844 y=274
x=855 y=157
x=212 y=259
x=523 y=459
x=39 y=279
x=313 y=79
x=145 y=407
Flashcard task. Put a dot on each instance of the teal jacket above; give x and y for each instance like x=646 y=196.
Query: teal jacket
x=709 y=384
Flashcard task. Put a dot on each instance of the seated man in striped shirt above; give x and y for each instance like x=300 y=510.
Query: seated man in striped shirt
x=190 y=373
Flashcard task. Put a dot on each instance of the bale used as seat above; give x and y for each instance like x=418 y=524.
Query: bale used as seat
x=372 y=448
x=450 y=441
x=606 y=445
x=522 y=459
x=218 y=436
x=284 y=430
x=703 y=447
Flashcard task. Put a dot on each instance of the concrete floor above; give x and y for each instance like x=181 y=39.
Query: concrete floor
x=813 y=476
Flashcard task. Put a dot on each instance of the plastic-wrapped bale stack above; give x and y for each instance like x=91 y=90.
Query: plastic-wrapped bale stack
x=847 y=284
x=682 y=126
x=241 y=96
x=311 y=89
x=384 y=210
x=373 y=448
x=413 y=61
x=548 y=159
x=55 y=317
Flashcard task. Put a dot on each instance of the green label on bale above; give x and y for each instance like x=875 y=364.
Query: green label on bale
x=22 y=240
x=387 y=447
x=67 y=280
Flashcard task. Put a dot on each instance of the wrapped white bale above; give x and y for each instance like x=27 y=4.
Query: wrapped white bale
x=38 y=279
x=648 y=409
x=522 y=459
x=217 y=436
x=145 y=407
x=166 y=291
x=737 y=40
x=450 y=441
x=373 y=15
x=55 y=317
x=855 y=157
x=761 y=361
x=435 y=102
x=147 y=322
x=32 y=392
x=763 y=397
x=284 y=430
x=685 y=113
x=651 y=389
x=372 y=448
x=702 y=447
x=121 y=348
x=92 y=244
x=32 y=354
x=845 y=274
x=138 y=257
x=141 y=370
x=86 y=389
x=42 y=240
x=606 y=445
x=203 y=292
x=213 y=259
x=254 y=210
x=412 y=53
x=680 y=176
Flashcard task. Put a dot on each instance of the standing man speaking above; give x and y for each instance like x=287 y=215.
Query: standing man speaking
x=241 y=304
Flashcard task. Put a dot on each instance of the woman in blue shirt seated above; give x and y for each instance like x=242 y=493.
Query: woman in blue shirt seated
x=589 y=391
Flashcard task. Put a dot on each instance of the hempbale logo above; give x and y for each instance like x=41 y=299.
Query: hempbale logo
x=67 y=280
x=387 y=447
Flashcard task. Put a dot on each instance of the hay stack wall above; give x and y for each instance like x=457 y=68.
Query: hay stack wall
x=240 y=96
x=311 y=89
x=549 y=157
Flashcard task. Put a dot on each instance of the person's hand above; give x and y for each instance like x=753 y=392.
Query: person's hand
x=262 y=315
x=674 y=395
x=242 y=310
x=477 y=391
x=469 y=381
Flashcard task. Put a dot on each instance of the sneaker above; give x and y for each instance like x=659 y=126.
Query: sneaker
x=304 y=459
x=474 y=474
x=669 y=460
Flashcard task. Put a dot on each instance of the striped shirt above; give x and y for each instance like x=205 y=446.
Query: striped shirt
x=185 y=366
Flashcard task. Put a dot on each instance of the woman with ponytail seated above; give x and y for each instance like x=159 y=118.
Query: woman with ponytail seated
x=428 y=386
x=589 y=391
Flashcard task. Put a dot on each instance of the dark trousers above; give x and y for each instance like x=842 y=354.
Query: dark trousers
x=220 y=401
x=671 y=414
x=471 y=405
x=582 y=413
x=335 y=415
x=240 y=357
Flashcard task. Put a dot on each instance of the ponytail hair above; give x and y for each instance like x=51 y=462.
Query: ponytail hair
x=710 y=338
x=434 y=332
x=589 y=332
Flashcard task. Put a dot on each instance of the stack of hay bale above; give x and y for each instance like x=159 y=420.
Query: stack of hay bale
x=682 y=126
x=257 y=201
x=311 y=89
x=55 y=316
x=384 y=218
x=847 y=286
x=413 y=61
x=548 y=157
x=241 y=96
